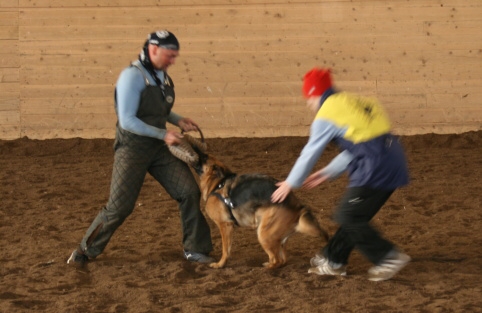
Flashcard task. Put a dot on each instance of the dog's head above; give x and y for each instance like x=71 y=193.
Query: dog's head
x=211 y=172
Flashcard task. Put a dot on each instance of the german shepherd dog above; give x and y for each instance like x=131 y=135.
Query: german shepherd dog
x=244 y=200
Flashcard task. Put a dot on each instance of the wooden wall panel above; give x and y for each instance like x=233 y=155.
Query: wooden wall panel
x=151 y=3
x=241 y=63
x=10 y=120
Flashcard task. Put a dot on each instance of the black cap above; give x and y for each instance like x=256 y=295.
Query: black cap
x=164 y=39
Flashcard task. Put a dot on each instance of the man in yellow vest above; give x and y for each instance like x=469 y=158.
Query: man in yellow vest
x=375 y=162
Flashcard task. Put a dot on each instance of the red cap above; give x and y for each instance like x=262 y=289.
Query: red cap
x=316 y=82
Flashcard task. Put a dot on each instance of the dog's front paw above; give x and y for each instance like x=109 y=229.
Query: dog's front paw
x=216 y=265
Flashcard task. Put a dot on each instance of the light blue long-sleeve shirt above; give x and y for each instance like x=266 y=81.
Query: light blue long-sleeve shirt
x=129 y=88
x=371 y=155
x=321 y=133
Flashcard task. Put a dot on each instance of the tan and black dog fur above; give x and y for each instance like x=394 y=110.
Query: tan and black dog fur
x=244 y=200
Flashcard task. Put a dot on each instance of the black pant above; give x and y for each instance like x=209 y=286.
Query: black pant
x=136 y=156
x=358 y=206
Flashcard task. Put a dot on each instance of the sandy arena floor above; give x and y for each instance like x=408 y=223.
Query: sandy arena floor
x=51 y=190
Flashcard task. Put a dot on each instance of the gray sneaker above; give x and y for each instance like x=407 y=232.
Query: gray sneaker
x=388 y=267
x=198 y=257
x=318 y=260
x=77 y=258
x=326 y=269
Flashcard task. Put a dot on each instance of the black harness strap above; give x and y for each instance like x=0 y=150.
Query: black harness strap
x=227 y=201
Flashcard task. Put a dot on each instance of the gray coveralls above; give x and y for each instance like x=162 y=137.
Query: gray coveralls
x=135 y=156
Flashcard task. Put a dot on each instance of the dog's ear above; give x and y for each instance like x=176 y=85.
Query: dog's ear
x=203 y=157
x=222 y=171
x=218 y=171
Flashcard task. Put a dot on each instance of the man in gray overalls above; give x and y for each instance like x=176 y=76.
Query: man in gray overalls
x=144 y=97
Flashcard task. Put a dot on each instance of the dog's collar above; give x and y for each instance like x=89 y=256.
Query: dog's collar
x=228 y=203
x=226 y=200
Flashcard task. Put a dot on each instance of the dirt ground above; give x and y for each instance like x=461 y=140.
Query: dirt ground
x=51 y=190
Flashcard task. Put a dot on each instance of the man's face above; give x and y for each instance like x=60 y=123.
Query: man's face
x=163 y=58
x=313 y=103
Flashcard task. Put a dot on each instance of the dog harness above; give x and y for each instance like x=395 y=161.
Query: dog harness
x=226 y=200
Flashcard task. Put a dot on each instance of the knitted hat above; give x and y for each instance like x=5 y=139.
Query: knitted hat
x=316 y=82
x=164 y=39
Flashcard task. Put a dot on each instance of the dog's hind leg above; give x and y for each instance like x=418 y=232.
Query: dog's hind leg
x=282 y=252
x=226 y=230
x=273 y=249
x=274 y=228
x=272 y=246
x=275 y=253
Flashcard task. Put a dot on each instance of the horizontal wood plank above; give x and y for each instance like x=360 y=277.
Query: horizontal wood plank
x=8 y=4
x=156 y=3
x=239 y=31
x=76 y=91
x=255 y=68
x=9 y=32
x=9 y=75
x=245 y=131
x=10 y=118
x=463 y=86
x=397 y=14
x=67 y=105
x=254 y=118
x=290 y=57
x=233 y=3
x=11 y=104
x=142 y=3
x=10 y=132
x=9 y=48
x=343 y=45
x=9 y=89
x=9 y=18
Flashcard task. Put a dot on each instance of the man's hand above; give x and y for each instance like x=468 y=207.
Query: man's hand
x=172 y=138
x=281 y=193
x=314 y=180
x=186 y=124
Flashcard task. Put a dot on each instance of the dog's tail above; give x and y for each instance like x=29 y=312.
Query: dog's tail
x=307 y=224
